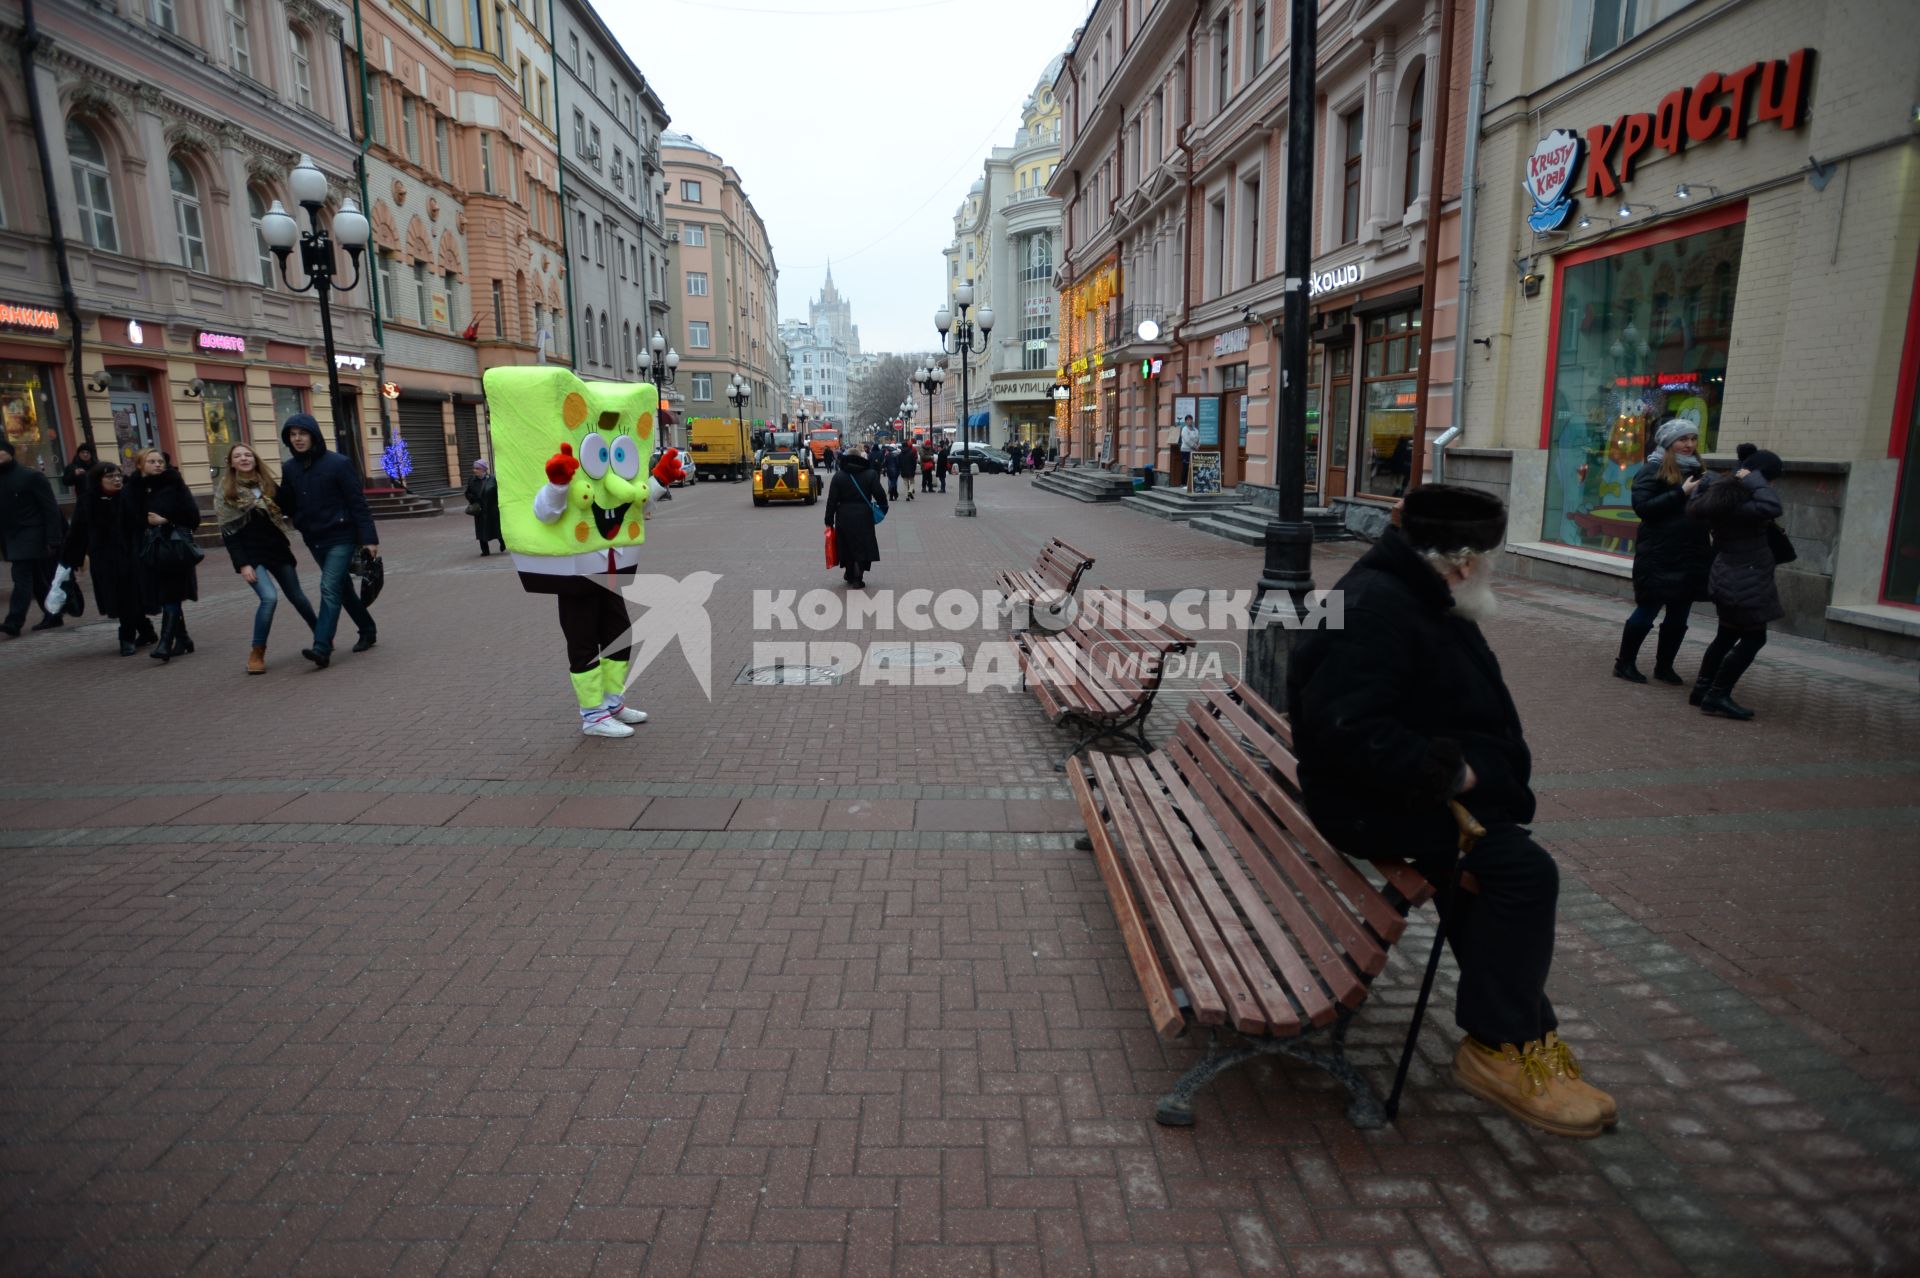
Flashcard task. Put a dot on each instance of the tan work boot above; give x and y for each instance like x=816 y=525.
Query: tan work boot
x=1569 y=1070
x=1530 y=1084
x=257 y=659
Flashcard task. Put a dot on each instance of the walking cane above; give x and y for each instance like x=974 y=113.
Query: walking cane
x=1471 y=832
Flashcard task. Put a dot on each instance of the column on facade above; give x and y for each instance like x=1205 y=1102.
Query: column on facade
x=1433 y=127
x=149 y=168
x=1378 y=137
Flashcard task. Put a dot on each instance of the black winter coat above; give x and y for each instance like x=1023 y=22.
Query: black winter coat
x=848 y=513
x=1386 y=710
x=321 y=496
x=103 y=538
x=30 y=521
x=484 y=492
x=255 y=541
x=1741 y=583
x=1672 y=554
x=165 y=495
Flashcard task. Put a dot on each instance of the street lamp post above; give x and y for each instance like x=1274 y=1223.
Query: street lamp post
x=738 y=393
x=308 y=186
x=970 y=333
x=906 y=415
x=930 y=380
x=661 y=359
x=1061 y=394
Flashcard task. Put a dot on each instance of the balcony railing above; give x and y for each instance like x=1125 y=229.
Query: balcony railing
x=1028 y=195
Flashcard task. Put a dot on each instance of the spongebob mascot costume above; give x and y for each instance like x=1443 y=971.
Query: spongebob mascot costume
x=569 y=457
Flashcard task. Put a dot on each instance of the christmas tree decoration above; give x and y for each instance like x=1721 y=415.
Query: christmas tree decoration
x=397 y=461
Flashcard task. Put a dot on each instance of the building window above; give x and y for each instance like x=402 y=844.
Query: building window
x=377 y=111
x=186 y=216
x=500 y=32
x=593 y=147
x=573 y=52
x=698 y=335
x=499 y=308
x=423 y=309
x=220 y=405
x=580 y=133
x=703 y=386
x=1392 y=361
x=1416 y=121
x=1257 y=39
x=696 y=284
x=288 y=400
x=1216 y=246
x=599 y=245
x=160 y=13
x=1036 y=302
x=526 y=81
x=263 y=256
x=1222 y=63
x=447 y=283
x=1353 y=126
x=620 y=254
x=92 y=192
x=540 y=107
x=593 y=75
x=410 y=127
x=619 y=171
x=1246 y=265
x=486 y=163
x=606 y=347
x=695 y=236
x=1613 y=23
x=689 y=191
x=626 y=345
x=387 y=286
x=442 y=152
x=302 y=67
x=633 y=183
x=587 y=328
x=239 y=42
x=1639 y=337
x=582 y=236
x=1903 y=549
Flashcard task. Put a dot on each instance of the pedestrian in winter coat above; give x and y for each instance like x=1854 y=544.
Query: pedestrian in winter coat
x=256 y=534
x=157 y=502
x=1740 y=509
x=928 y=455
x=890 y=462
x=483 y=503
x=31 y=528
x=1670 y=556
x=944 y=464
x=108 y=542
x=1403 y=709
x=321 y=496
x=851 y=499
x=1014 y=454
x=74 y=477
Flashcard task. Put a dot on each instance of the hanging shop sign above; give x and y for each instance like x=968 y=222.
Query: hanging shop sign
x=37 y=318
x=390 y=390
x=1023 y=388
x=1550 y=171
x=1108 y=374
x=1321 y=283
x=1232 y=342
x=232 y=343
x=136 y=336
x=349 y=361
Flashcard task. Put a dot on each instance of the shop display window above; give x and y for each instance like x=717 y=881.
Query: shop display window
x=1392 y=360
x=1641 y=335
x=26 y=412
x=224 y=427
x=1903 y=550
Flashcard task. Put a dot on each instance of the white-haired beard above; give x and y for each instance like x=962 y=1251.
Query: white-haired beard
x=1473 y=597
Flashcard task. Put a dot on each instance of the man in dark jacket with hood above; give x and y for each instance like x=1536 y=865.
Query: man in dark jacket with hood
x=1398 y=712
x=30 y=535
x=321 y=495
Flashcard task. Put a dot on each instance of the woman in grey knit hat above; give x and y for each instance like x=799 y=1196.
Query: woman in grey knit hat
x=1671 y=555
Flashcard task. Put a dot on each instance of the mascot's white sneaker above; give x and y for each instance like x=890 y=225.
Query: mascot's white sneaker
x=626 y=714
x=605 y=726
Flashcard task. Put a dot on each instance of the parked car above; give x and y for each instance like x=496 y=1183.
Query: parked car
x=987 y=459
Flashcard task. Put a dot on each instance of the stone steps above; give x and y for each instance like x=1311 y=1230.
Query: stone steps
x=1248 y=524
x=1086 y=484
x=1180 y=506
x=405 y=505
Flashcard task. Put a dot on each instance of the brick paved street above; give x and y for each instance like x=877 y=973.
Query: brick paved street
x=387 y=970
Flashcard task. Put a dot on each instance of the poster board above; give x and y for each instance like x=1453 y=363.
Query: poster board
x=1243 y=422
x=1184 y=406
x=1204 y=476
x=1207 y=419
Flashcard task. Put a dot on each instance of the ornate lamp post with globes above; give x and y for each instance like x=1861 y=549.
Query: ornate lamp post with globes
x=970 y=333
x=308 y=186
x=738 y=394
x=929 y=379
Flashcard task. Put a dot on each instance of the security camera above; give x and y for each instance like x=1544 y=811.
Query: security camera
x=98 y=383
x=1246 y=315
x=196 y=388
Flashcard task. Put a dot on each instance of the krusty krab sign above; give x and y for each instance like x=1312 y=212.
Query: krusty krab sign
x=1719 y=105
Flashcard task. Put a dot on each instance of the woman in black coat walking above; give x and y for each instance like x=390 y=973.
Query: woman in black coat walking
x=1671 y=555
x=483 y=503
x=256 y=531
x=852 y=499
x=1740 y=509
x=156 y=503
x=74 y=477
x=105 y=540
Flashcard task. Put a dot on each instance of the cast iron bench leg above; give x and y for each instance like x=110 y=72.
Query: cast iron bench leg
x=1363 y=1106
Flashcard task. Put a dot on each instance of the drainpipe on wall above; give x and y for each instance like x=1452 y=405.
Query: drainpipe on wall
x=1476 y=103
x=560 y=193
x=30 y=41
x=1430 y=274
x=1186 y=222
x=373 y=256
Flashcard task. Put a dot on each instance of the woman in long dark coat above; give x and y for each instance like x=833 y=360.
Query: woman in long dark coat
x=1739 y=508
x=157 y=500
x=1671 y=554
x=483 y=491
x=851 y=499
x=102 y=538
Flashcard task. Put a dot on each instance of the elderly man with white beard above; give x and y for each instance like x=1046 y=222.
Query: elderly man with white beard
x=1399 y=712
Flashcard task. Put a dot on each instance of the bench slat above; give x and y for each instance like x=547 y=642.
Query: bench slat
x=1167 y=1019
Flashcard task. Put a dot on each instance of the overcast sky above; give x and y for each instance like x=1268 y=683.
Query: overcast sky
x=855 y=125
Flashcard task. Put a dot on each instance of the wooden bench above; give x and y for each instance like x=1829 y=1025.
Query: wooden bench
x=1237 y=915
x=1050 y=583
x=1102 y=669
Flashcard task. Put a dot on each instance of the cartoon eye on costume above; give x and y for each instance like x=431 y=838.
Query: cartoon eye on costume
x=594 y=455
x=626 y=457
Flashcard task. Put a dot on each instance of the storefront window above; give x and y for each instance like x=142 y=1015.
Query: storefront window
x=287 y=400
x=1903 y=555
x=1642 y=336
x=1339 y=402
x=1315 y=382
x=1392 y=359
x=223 y=420
x=26 y=411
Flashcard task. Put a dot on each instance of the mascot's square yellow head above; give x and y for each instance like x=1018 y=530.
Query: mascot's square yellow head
x=546 y=424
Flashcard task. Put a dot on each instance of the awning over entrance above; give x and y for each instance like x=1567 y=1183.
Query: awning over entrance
x=980 y=419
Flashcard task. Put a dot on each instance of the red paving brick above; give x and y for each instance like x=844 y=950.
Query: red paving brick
x=778 y=814
x=415 y=809
x=687 y=814
x=507 y=809
x=591 y=812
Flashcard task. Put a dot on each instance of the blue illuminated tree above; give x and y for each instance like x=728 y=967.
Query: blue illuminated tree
x=397 y=461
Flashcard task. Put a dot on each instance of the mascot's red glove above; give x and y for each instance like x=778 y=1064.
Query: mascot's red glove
x=670 y=469
x=561 y=465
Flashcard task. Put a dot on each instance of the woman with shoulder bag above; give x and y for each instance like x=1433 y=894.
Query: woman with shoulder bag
x=163 y=515
x=1740 y=509
x=1671 y=555
x=483 y=504
x=255 y=531
x=856 y=503
x=104 y=540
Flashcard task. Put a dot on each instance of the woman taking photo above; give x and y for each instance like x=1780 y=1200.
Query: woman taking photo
x=1740 y=509
x=852 y=500
x=255 y=533
x=159 y=504
x=1671 y=555
x=103 y=538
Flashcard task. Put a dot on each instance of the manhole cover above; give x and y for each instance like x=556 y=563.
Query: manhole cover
x=914 y=654
x=770 y=676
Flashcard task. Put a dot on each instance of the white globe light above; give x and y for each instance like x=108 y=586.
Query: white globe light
x=986 y=319
x=350 y=227
x=943 y=319
x=308 y=183
x=1148 y=331
x=964 y=295
x=279 y=228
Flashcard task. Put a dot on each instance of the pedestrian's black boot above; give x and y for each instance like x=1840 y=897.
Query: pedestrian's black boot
x=11 y=629
x=1701 y=687
x=182 y=641
x=143 y=632
x=1723 y=705
x=1670 y=640
x=1630 y=640
x=52 y=621
x=163 y=650
x=128 y=647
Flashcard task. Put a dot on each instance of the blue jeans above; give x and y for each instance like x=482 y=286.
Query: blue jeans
x=336 y=592
x=263 y=585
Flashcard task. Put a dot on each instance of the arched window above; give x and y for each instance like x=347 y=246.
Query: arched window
x=587 y=327
x=626 y=346
x=257 y=204
x=93 y=195
x=606 y=347
x=302 y=66
x=1416 y=125
x=186 y=215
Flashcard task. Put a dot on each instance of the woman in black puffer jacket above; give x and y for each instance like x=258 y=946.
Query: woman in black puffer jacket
x=157 y=500
x=1739 y=508
x=1671 y=555
x=104 y=540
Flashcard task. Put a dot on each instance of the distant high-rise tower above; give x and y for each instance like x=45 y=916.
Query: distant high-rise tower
x=831 y=317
